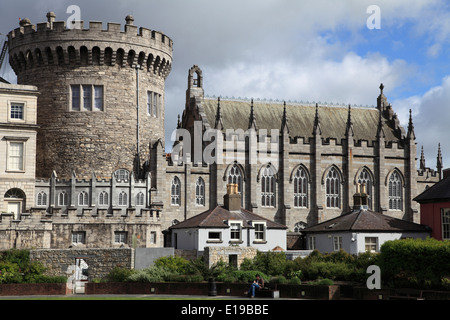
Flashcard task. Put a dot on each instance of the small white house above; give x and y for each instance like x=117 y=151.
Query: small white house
x=226 y=226
x=360 y=231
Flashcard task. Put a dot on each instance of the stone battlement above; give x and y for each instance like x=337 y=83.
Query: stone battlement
x=53 y=43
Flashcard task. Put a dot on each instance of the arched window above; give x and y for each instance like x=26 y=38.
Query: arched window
x=122 y=175
x=83 y=199
x=333 y=192
x=63 y=199
x=140 y=199
x=365 y=179
x=395 y=192
x=200 y=192
x=175 y=193
x=235 y=177
x=103 y=198
x=123 y=199
x=268 y=187
x=42 y=199
x=301 y=188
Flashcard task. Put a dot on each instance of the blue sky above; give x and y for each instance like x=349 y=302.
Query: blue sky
x=306 y=50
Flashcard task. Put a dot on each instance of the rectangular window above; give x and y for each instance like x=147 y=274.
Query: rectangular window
x=98 y=96
x=153 y=237
x=445 y=224
x=120 y=237
x=17 y=111
x=78 y=237
x=155 y=104
x=337 y=241
x=75 y=97
x=215 y=236
x=371 y=244
x=312 y=242
x=235 y=230
x=149 y=102
x=260 y=231
x=15 y=156
x=87 y=98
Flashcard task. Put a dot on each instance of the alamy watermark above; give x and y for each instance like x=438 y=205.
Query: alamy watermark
x=217 y=147
x=74 y=21
x=374 y=21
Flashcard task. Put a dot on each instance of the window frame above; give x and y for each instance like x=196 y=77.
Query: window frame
x=259 y=232
x=301 y=186
x=371 y=244
x=200 y=192
x=119 y=236
x=333 y=189
x=395 y=191
x=78 y=237
x=175 y=194
x=82 y=102
x=268 y=187
x=12 y=104
x=235 y=231
x=337 y=243
x=83 y=199
x=445 y=224
x=42 y=199
x=9 y=164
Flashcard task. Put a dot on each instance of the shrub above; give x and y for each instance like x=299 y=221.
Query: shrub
x=248 y=276
x=175 y=264
x=10 y=273
x=119 y=274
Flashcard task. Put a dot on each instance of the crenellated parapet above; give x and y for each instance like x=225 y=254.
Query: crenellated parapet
x=55 y=43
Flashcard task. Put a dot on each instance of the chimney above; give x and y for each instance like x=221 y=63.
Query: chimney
x=360 y=201
x=232 y=200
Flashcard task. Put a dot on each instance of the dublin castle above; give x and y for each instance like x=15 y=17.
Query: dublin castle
x=82 y=146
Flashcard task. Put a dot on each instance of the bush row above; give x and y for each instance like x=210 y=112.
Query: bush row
x=16 y=267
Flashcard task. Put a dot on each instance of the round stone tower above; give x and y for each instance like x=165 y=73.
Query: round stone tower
x=101 y=99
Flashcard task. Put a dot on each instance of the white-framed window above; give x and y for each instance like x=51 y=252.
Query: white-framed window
x=312 y=242
x=200 y=192
x=268 y=187
x=63 y=199
x=16 y=150
x=235 y=231
x=122 y=175
x=153 y=237
x=120 y=237
x=215 y=236
x=87 y=97
x=260 y=231
x=103 y=198
x=300 y=188
x=41 y=199
x=333 y=189
x=78 y=237
x=153 y=104
x=365 y=179
x=371 y=244
x=337 y=243
x=17 y=111
x=175 y=192
x=395 y=191
x=140 y=199
x=83 y=199
x=123 y=199
x=445 y=224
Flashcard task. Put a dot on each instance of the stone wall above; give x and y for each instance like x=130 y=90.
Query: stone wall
x=214 y=255
x=100 y=261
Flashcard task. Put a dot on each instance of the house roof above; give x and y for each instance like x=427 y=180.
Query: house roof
x=436 y=193
x=333 y=119
x=217 y=217
x=367 y=221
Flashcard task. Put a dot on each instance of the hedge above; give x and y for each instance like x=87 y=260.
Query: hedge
x=415 y=263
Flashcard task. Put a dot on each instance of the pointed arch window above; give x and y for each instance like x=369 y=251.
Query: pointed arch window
x=83 y=199
x=301 y=188
x=333 y=189
x=235 y=177
x=268 y=187
x=395 y=192
x=200 y=192
x=175 y=193
x=123 y=199
x=365 y=178
x=140 y=199
x=42 y=199
x=103 y=198
x=63 y=199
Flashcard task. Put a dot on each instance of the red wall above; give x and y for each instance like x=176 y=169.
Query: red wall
x=430 y=215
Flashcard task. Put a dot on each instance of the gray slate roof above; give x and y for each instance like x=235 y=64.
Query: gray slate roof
x=333 y=119
x=436 y=193
x=367 y=221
